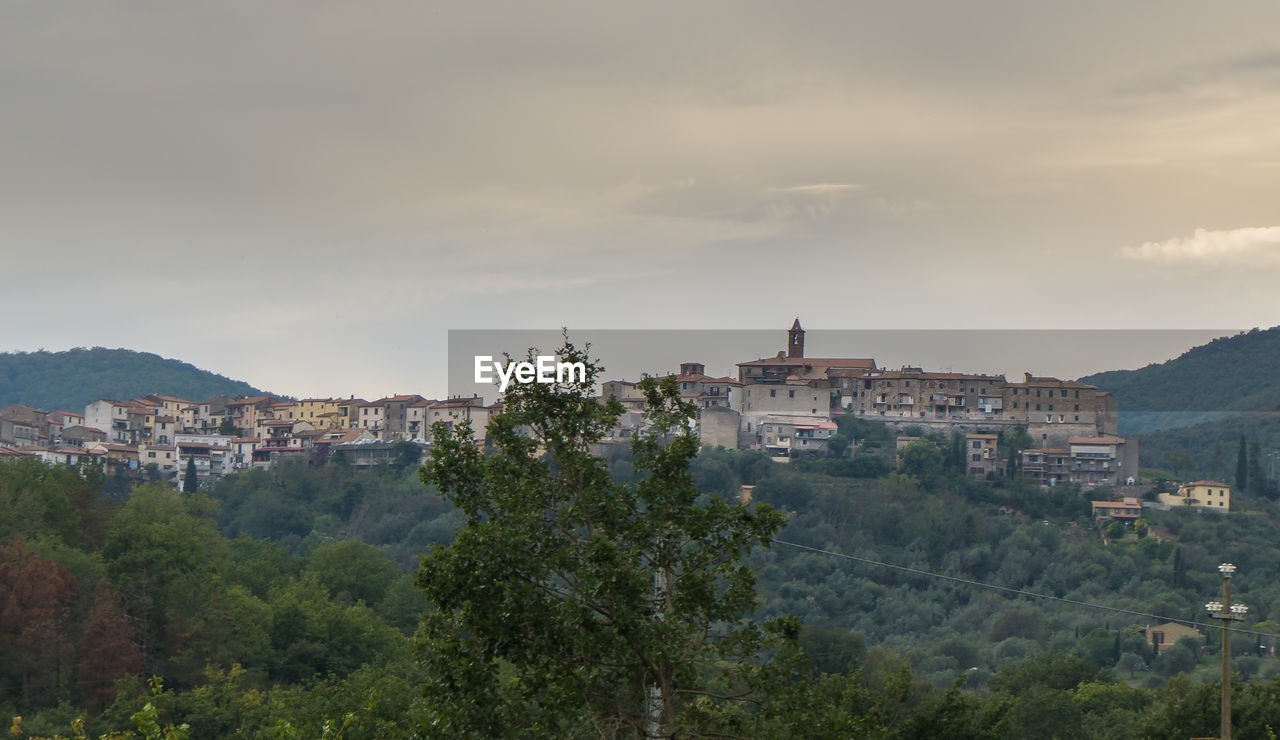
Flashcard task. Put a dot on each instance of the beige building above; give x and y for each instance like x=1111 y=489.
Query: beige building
x=164 y=457
x=1165 y=635
x=718 y=426
x=321 y=412
x=454 y=411
x=1202 y=494
x=1128 y=510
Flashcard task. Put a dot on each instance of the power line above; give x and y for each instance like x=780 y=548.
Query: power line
x=1022 y=592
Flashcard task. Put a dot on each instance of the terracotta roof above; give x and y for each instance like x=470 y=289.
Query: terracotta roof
x=1095 y=440
x=399 y=399
x=251 y=400
x=459 y=402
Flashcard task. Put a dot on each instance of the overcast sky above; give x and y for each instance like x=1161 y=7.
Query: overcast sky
x=309 y=195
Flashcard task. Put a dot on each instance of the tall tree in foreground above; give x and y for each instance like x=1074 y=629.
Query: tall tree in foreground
x=572 y=605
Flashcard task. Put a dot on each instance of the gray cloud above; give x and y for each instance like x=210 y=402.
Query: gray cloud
x=391 y=170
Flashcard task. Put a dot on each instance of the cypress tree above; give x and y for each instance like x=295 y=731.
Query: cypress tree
x=1242 y=466
x=1257 y=479
x=190 y=483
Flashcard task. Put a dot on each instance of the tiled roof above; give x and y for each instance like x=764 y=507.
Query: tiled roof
x=1095 y=440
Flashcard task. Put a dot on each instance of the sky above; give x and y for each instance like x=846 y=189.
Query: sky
x=310 y=195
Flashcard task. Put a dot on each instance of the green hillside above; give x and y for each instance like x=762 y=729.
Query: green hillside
x=1237 y=373
x=70 y=380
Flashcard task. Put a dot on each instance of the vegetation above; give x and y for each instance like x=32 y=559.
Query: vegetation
x=1206 y=383
x=72 y=379
x=560 y=589
x=570 y=605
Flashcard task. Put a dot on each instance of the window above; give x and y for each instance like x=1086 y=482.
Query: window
x=977 y=445
x=773 y=392
x=1037 y=407
x=791 y=394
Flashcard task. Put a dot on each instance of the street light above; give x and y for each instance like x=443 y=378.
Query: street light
x=1226 y=612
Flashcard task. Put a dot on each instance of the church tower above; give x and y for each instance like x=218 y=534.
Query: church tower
x=795 y=340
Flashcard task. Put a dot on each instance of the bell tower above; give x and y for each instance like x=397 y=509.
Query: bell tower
x=795 y=340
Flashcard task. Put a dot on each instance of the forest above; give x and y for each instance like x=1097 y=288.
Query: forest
x=1228 y=378
x=72 y=379
x=283 y=603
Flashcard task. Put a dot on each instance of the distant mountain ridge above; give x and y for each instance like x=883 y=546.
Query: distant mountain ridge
x=1236 y=373
x=72 y=379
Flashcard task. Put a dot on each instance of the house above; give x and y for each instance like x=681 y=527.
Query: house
x=982 y=453
x=1055 y=410
x=912 y=393
x=241 y=451
x=1048 y=467
x=23 y=426
x=164 y=457
x=627 y=393
x=781 y=435
x=65 y=419
x=1201 y=494
x=705 y=391
x=349 y=412
x=395 y=415
x=212 y=460
x=68 y=456
x=321 y=412
x=372 y=418
x=1128 y=510
x=454 y=411
x=164 y=405
x=1102 y=460
x=1162 y=635
x=1087 y=461
x=247 y=413
x=718 y=426
x=79 y=436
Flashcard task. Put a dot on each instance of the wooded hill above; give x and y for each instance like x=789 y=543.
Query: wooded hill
x=69 y=380
x=1206 y=383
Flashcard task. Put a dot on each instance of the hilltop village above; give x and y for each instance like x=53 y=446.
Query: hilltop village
x=786 y=405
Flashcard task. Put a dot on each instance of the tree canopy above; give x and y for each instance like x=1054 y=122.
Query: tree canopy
x=571 y=604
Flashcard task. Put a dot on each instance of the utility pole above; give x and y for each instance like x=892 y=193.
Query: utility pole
x=1227 y=613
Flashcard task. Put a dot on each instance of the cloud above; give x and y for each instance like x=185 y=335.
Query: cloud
x=1210 y=246
x=818 y=188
